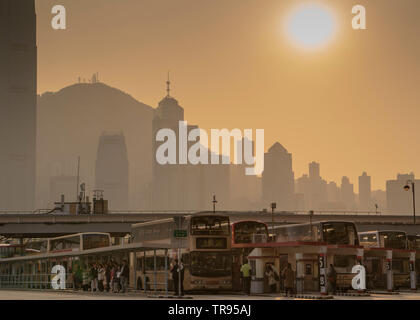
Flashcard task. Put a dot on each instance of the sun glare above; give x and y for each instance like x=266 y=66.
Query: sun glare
x=311 y=26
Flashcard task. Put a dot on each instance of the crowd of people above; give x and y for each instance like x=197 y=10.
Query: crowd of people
x=285 y=280
x=98 y=277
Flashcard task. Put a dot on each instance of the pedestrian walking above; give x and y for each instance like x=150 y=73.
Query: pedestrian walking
x=271 y=279
x=124 y=274
x=175 y=276
x=246 y=277
x=181 y=273
x=94 y=278
x=101 y=277
x=332 y=279
x=289 y=279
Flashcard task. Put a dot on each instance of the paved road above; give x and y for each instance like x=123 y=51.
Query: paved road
x=52 y=295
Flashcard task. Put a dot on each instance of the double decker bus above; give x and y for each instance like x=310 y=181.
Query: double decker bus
x=341 y=239
x=249 y=231
x=205 y=251
x=244 y=234
x=396 y=240
x=79 y=242
x=32 y=269
x=329 y=232
x=390 y=239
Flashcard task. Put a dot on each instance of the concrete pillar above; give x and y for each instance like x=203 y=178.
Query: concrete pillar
x=133 y=270
x=257 y=282
x=166 y=272
x=413 y=277
x=259 y=263
x=388 y=266
x=300 y=273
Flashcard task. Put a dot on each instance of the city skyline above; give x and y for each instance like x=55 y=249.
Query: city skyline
x=324 y=106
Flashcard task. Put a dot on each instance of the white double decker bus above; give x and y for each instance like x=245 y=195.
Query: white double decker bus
x=204 y=243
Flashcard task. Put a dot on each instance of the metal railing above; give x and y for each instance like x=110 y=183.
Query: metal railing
x=29 y=281
x=232 y=212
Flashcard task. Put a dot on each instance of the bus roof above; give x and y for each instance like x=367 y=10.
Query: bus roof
x=313 y=223
x=241 y=221
x=374 y=231
x=171 y=220
x=74 y=235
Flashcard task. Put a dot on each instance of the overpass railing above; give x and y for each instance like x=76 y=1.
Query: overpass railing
x=232 y=213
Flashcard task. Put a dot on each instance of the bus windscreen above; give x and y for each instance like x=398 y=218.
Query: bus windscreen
x=250 y=232
x=210 y=225
x=93 y=241
x=211 y=264
x=339 y=233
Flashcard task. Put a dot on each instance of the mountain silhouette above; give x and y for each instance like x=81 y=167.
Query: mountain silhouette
x=70 y=123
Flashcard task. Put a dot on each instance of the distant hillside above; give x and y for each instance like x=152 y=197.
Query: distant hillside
x=70 y=123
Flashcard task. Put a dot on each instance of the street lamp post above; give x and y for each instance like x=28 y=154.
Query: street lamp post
x=273 y=207
x=214 y=203
x=311 y=213
x=410 y=184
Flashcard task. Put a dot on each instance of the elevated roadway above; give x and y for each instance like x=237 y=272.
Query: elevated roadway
x=118 y=223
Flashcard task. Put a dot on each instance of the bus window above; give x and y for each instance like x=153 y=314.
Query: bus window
x=92 y=241
x=394 y=240
x=338 y=233
x=209 y=225
x=250 y=232
x=56 y=244
x=72 y=243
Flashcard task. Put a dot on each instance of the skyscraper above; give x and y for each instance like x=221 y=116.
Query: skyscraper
x=398 y=200
x=175 y=186
x=18 y=76
x=314 y=172
x=111 y=170
x=278 y=178
x=347 y=194
x=313 y=188
x=365 y=198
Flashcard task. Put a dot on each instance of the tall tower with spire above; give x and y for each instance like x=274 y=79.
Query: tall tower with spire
x=18 y=77
x=175 y=186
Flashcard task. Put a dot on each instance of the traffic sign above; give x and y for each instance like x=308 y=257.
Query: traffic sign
x=180 y=233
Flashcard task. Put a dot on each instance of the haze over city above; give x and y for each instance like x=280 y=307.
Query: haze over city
x=350 y=106
x=325 y=93
x=223 y=149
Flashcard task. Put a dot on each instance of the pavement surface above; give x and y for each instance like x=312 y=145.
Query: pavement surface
x=80 y=295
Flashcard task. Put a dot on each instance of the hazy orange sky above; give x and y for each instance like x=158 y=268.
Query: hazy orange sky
x=352 y=106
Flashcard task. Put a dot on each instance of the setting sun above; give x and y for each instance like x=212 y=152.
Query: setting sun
x=311 y=26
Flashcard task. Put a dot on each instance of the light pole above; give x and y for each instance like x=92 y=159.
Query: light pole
x=410 y=184
x=273 y=207
x=214 y=203
x=311 y=213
